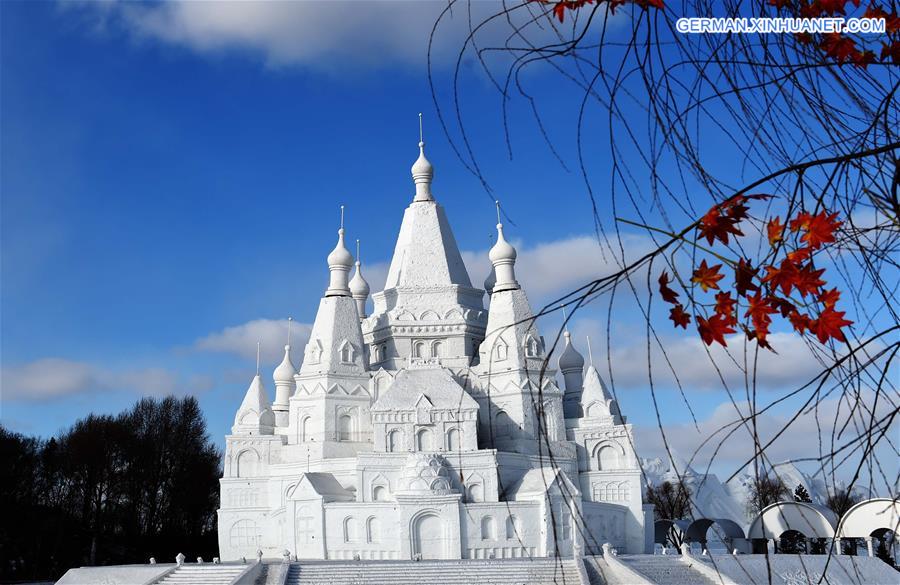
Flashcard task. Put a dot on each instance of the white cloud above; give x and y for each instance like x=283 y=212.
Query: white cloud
x=809 y=435
x=241 y=339
x=794 y=365
x=550 y=269
x=48 y=378
x=334 y=35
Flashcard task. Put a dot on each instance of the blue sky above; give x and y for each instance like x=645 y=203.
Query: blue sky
x=171 y=182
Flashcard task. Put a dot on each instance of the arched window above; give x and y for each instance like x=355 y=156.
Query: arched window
x=475 y=492
x=244 y=534
x=395 y=441
x=503 y=424
x=453 y=440
x=607 y=458
x=345 y=428
x=379 y=494
x=423 y=440
x=376 y=354
x=501 y=350
x=532 y=348
x=347 y=353
x=436 y=349
x=419 y=349
x=305 y=429
x=372 y=529
x=488 y=529
x=512 y=527
x=349 y=529
x=247 y=463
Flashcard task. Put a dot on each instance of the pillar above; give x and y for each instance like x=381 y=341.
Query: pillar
x=836 y=545
x=869 y=547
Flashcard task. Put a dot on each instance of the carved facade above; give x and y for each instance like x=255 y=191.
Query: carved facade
x=432 y=428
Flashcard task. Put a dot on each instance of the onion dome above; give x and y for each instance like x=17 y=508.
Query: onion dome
x=422 y=171
x=570 y=359
x=340 y=261
x=358 y=284
x=285 y=371
x=502 y=251
x=359 y=288
x=503 y=257
x=340 y=256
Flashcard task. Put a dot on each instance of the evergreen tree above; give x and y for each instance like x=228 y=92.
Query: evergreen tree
x=801 y=495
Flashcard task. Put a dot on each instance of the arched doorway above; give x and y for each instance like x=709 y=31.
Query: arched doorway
x=428 y=537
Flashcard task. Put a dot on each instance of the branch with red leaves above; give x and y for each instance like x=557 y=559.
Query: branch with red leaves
x=764 y=291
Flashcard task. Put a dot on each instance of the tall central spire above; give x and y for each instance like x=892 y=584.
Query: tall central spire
x=426 y=253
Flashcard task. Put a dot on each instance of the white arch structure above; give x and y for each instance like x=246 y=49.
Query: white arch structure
x=809 y=519
x=868 y=517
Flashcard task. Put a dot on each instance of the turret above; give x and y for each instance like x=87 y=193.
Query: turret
x=284 y=387
x=255 y=416
x=359 y=288
x=422 y=171
x=503 y=259
x=340 y=261
x=571 y=364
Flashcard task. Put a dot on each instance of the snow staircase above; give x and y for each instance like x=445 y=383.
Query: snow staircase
x=206 y=574
x=544 y=571
x=664 y=569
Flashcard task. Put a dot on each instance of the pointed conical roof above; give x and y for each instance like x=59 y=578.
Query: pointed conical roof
x=426 y=254
x=595 y=391
x=255 y=414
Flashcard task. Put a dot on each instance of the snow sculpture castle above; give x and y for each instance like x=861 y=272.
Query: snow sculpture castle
x=429 y=429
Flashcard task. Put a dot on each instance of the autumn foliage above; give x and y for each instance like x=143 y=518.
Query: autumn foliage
x=786 y=285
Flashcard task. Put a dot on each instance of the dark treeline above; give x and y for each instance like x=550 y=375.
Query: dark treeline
x=109 y=490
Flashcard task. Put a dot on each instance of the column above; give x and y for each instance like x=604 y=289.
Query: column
x=869 y=547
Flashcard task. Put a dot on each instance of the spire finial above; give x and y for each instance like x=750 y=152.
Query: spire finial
x=342 y=217
x=257 y=357
x=290 y=321
x=590 y=353
x=565 y=319
x=357 y=252
x=422 y=171
x=497 y=202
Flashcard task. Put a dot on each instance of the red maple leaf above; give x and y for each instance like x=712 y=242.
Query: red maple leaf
x=668 y=295
x=829 y=325
x=707 y=277
x=782 y=305
x=829 y=298
x=785 y=276
x=713 y=329
x=800 y=321
x=715 y=226
x=800 y=222
x=758 y=311
x=820 y=229
x=775 y=230
x=744 y=274
x=725 y=307
x=807 y=280
x=800 y=254
x=891 y=51
x=679 y=316
x=839 y=47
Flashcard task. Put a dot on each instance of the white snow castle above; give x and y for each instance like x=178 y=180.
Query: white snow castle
x=431 y=429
